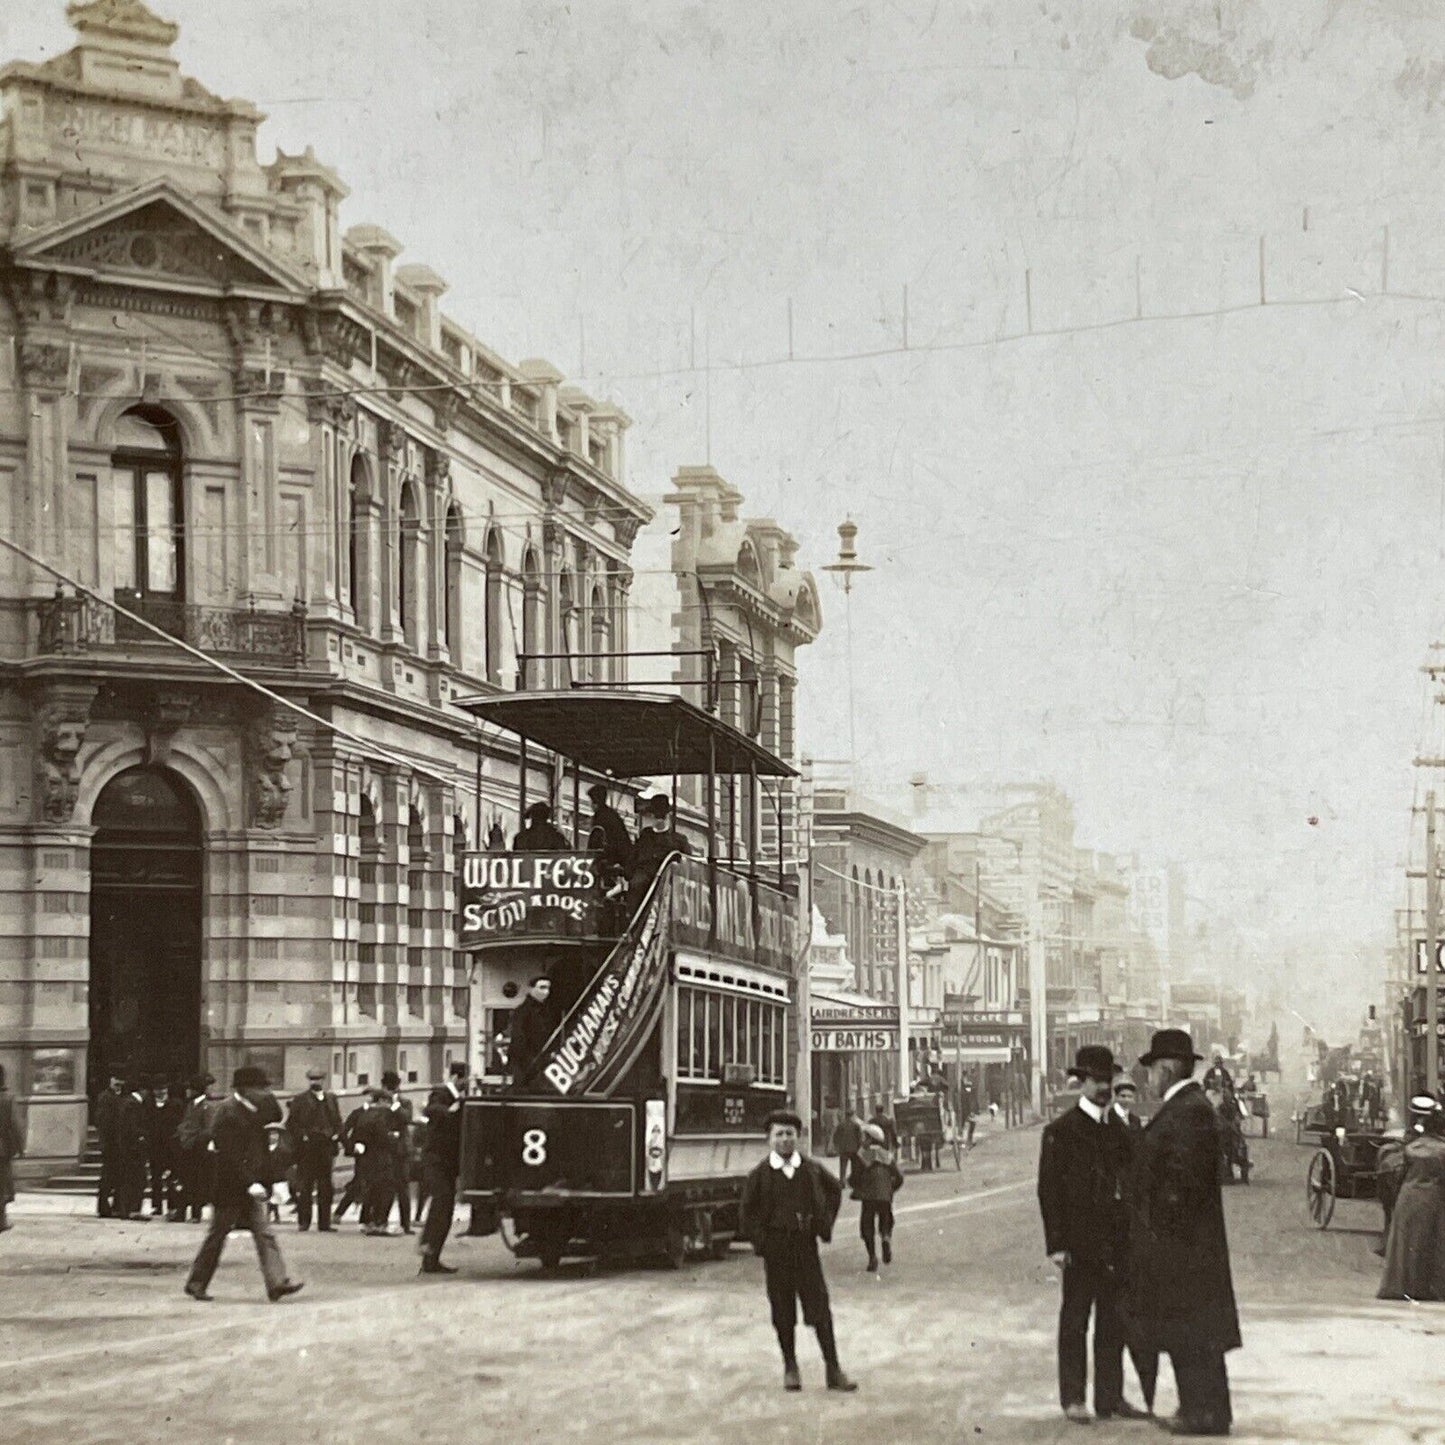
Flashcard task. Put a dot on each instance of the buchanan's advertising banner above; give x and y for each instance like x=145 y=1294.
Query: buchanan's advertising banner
x=510 y=895
x=601 y=1037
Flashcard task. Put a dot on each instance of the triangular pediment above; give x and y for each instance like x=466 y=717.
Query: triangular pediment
x=159 y=236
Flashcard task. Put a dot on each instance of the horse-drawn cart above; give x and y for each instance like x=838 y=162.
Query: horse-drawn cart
x=1345 y=1166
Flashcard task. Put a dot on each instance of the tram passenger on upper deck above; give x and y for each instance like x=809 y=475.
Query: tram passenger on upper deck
x=657 y=841
x=608 y=836
x=538 y=834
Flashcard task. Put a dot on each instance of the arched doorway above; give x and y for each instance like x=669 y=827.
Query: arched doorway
x=145 y=928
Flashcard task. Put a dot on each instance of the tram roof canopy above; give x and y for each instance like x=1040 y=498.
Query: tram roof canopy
x=629 y=734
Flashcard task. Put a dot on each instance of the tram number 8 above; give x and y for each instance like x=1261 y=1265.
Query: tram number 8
x=534 y=1148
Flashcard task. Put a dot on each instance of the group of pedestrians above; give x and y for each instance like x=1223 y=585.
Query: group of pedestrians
x=152 y=1137
x=1134 y=1220
x=247 y=1167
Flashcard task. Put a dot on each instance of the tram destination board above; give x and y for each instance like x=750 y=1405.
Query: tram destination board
x=561 y=1148
x=512 y=895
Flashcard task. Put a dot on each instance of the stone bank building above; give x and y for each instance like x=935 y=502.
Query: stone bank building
x=260 y=435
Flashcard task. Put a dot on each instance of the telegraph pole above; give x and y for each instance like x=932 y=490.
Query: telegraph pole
x=1432 y=943
x=905 y=1073
x=1038 y=998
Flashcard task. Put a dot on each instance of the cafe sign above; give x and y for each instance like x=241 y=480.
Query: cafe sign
x=509 y=895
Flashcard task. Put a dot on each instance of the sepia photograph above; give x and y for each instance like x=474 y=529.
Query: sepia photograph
x=764 y=680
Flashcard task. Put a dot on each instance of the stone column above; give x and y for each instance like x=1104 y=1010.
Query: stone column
x=438 y=498
x=393 y=451
x=40 y=511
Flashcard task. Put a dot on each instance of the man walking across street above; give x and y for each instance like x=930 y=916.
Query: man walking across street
x=242 y=1189
x=314 y=1122
x=1181 y=1292
x=441 y=1162
x=789 y=1203
x=1083 y=1183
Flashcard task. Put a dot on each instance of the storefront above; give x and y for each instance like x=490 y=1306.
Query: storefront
x=853 y=1043
x=989 y=1051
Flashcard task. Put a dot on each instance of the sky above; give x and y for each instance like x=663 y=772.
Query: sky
x=1132 y=530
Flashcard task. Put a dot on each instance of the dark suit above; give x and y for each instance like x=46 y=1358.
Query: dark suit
x=107 y=1129
x=784 y=1219
x=238 y=1132
x=1181 y=1292
x=314 y=1124
x=441 y=1162
x=195 y=1161
x=533 y=1023
x=161 y=1125
x=1083 y=1186
x=133 y=1132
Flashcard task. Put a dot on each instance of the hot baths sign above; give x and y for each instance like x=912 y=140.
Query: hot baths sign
x=504 y=895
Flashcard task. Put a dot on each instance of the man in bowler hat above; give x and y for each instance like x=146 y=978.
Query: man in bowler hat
x=1083 y=1197
x=1181 y=1293
x=242 y=1186
x=441 y=1162
x=789 y=1203
x=314 y=1122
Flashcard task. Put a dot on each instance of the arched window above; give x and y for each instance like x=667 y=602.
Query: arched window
x=149 y=524
x=452 y=592
x=531 y=671
x=601 y=625
x=357 y=582
x=408 y=593
x=495 y=579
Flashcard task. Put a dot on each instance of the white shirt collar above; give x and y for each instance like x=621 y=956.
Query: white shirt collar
x=789 y=1166
x=245 y=1103
x=1121 y=1110
x=1092 y=1110
x=1173 y=1089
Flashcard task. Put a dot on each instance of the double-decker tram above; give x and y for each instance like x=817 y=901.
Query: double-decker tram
x=627 y=1124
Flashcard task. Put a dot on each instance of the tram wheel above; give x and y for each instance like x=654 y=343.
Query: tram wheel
x=674 y=1254
x=550 y=1260
x=1320 y=1186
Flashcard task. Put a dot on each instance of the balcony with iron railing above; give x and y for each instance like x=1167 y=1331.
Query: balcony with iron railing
x=70 y=624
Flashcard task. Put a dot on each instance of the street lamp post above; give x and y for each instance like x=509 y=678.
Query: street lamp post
x=846 y=568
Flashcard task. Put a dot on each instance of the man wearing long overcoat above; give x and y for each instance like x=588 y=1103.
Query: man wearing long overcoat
x=1180 y=1298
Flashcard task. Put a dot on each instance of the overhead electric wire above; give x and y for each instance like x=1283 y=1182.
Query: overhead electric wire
x=375 y=749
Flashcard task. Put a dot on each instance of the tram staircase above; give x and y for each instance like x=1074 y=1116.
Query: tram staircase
x=82 y=1178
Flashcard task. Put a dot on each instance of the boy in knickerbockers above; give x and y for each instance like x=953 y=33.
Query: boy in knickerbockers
x=789 y=1203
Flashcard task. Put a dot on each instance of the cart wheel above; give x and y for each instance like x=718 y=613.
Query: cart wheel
x=1320 y=1187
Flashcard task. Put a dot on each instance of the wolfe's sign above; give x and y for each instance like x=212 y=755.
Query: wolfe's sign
x=506 y=895
x=751 y=922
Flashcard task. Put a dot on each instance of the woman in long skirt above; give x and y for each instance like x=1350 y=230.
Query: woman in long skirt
x=1415 y=1248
